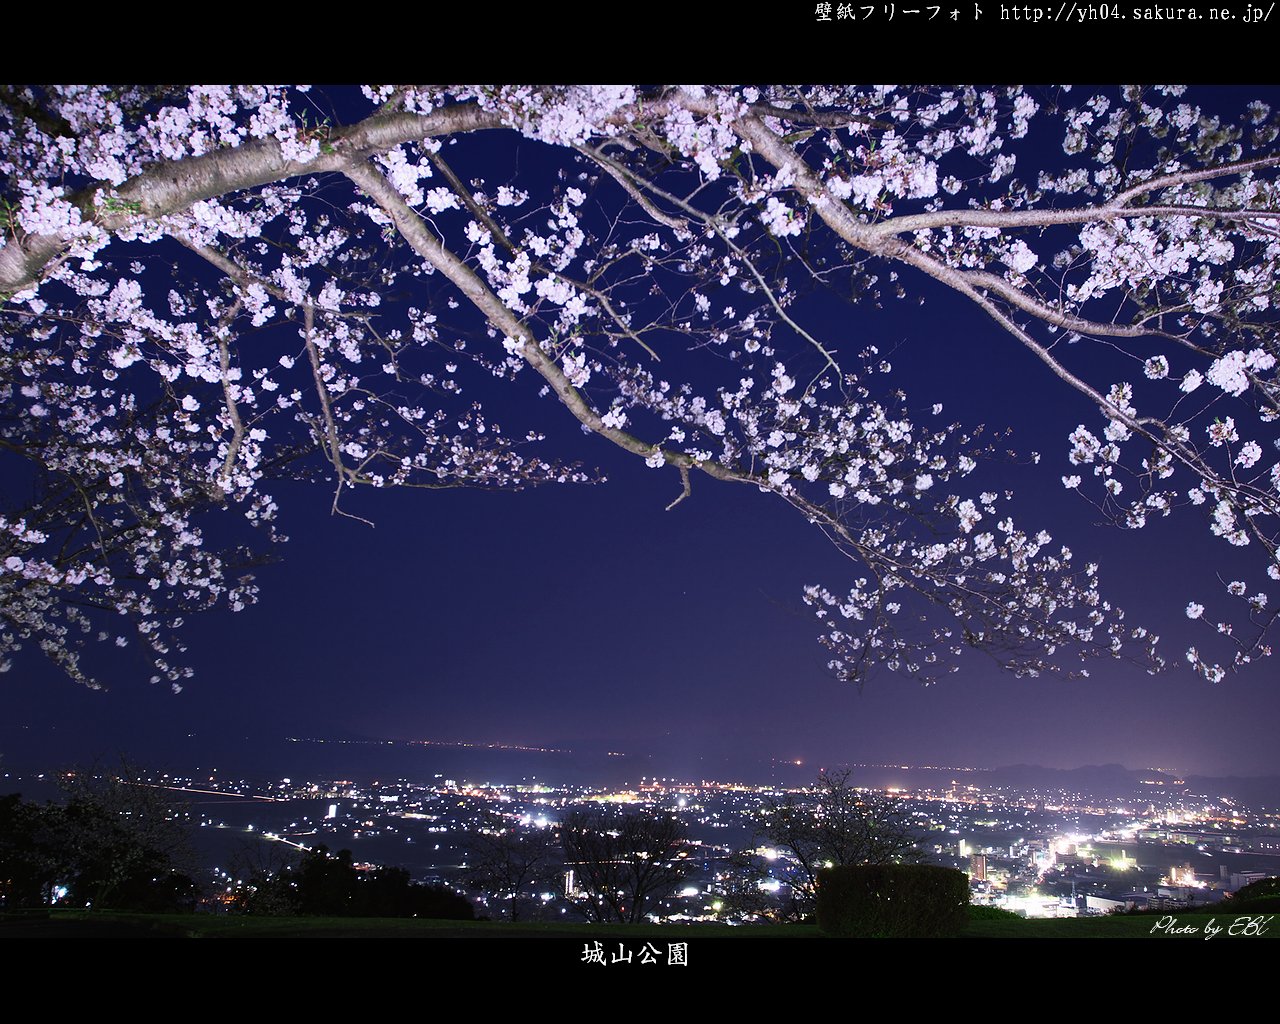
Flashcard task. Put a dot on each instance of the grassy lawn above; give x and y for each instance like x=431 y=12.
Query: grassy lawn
x=106 y=924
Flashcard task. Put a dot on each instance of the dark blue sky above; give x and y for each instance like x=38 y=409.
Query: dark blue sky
x=587 y=616
x=574 y=615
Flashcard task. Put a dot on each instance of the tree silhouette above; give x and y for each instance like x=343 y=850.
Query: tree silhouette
x=623 y=863
x=508 y=861
x=834 y=823
x=331 y=885
x=117 y=841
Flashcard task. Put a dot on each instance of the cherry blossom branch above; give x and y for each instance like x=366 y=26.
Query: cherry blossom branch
x=93 y=519
x=170 y=187
x=227 y=265
x=434 y=252
x=817 y=118
x=233 y=411
x=468 y=200
x=437 y=255
x=620 y=175
x=1117 y=209
x=883 y=239
x=623 y=327
x=331 y=443
x=1140 y=425
x=879 y=241
x=1190 y=177
x=714 y=224
x=1010 y=219
x=1015 y=296
x=855 y=468
x=688 y=488
x=495 y=229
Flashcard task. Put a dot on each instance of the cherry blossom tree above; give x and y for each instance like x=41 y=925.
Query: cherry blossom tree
x=212 y=288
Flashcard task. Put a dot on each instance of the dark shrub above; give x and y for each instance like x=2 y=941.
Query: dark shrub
x=993 y=914
x=1262 y=896
x=438 y=902
x=892 y=900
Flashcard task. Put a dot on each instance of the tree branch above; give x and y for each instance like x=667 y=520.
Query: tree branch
x=233 y=411
x=714 y=224
x=433 y=251
x=172 y=186
x=688 y=490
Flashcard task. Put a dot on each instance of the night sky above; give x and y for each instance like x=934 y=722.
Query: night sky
x=587 y=617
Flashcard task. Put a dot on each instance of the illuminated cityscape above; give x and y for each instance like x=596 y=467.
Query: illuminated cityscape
x=1040 y=850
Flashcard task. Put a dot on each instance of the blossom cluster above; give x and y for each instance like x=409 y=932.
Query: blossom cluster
x=209 y=287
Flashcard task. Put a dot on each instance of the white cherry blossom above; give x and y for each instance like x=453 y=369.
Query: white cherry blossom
x=334 y=294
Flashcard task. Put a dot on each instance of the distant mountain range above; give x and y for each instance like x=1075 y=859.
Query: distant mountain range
x=1096 y=779
x=586 y=764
